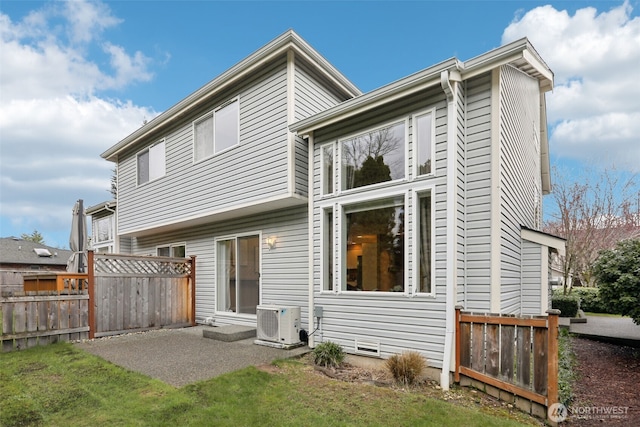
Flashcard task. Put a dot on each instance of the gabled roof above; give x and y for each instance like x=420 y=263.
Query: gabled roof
x=14 y=250
x=287 y=41
x=520 y=54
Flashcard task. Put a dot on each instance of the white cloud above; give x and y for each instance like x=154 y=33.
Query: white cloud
x=53 y=121
x=594 y=109
x=87 y=19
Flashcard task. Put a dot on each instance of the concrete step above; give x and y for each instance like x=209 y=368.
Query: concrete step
x=229 y=333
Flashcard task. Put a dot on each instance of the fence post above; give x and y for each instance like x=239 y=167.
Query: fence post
x=552 y=360
x=193 y=290
x=456 y=375
x=92 y=295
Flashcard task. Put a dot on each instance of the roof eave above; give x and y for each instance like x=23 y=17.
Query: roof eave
x=288 y=40
x=519 y=52
x=400 y=88
x=106 y=205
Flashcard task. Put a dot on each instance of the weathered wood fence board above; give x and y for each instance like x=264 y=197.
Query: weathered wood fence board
x=133 y=303
x=516 y=354
x=124 y=294
x=33 y=320
x=133 y=293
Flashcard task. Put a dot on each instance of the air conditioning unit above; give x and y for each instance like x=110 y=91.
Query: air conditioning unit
x=278 y=324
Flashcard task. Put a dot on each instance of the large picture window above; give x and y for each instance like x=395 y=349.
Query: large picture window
x=151 y=163
x=374 y=157
x=374 y=246
x=216 y=131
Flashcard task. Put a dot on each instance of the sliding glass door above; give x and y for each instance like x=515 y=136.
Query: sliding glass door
x=238 y=274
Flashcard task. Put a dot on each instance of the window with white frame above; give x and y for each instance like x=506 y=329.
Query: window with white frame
x=103 y=229
x=216 y=131
x=174 y=250
x=328 y=248
x=327 y=171
x=203 y=137
x=373 y=246
x=151 y=163
x=423 y=143
x=373 y=157
x=423 y=232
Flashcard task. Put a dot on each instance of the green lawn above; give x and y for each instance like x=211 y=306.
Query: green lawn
x=60 y=385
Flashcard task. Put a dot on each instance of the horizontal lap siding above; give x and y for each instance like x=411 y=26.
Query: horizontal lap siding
x=284 y=276
x=531 y=280
x=398 y=322
x=478 y=193
x=519 y=173
x=461 y=218
x=311 y=97
x=254 y=170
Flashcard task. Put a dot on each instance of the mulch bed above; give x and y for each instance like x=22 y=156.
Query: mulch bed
x=607 y=391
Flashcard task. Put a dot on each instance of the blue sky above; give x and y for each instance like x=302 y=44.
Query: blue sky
x=76 y=77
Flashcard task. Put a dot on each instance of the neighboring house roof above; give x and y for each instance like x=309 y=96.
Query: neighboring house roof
x=107 y=206
x=14 y=250
x=519 y=54
x=287 y=41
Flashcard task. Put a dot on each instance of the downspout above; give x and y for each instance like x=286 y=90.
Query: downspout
x=449 y=81
x=311 y=342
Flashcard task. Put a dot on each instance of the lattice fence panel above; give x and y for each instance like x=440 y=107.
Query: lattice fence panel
x=109 y=264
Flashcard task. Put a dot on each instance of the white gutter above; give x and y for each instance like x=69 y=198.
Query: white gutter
x=449 y=82
x=277 y=47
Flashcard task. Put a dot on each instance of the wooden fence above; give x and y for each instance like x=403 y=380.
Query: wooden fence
x=120 y=294
x=518 y=355
x=133 y=293
x=39 y=318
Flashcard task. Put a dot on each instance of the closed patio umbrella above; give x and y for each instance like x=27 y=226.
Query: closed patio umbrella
x=78 y=240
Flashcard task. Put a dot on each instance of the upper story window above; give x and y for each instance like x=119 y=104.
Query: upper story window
x=216 y=131
x=103 y=229
x=151 y=163
x=374 y=157
x=423 y=143
x=328 y=171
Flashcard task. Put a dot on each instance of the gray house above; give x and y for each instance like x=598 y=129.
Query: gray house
x=375 y=213
x=220 y=176
x=103 y=227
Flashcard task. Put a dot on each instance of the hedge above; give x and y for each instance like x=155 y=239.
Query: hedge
x=590 y=300
x=567 y=304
